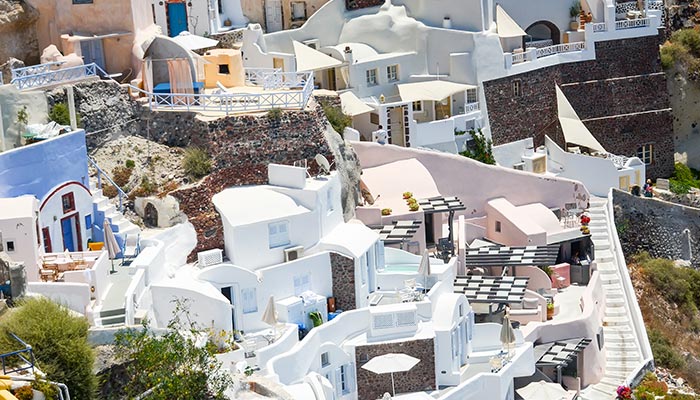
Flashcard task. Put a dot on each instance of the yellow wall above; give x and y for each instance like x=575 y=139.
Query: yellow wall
x=236 y=77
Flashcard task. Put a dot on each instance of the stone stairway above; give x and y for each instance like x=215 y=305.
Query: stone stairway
x=622 y=350
x=104 y=208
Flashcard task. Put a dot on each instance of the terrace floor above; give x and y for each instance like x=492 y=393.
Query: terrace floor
x=569 y=301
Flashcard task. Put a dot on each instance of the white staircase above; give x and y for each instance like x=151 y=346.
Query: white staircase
x=621 y=346
x=120 y=225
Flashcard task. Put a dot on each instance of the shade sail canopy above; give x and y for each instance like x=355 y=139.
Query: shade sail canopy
x=353 y=106
x=431 y=90
x=309 y=59
x=574 y=130
x=507 y=332
x=391 y=362
x=542 y=391
x=194 y=42
x=507 y=28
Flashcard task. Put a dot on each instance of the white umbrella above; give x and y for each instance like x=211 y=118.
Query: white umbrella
x=390 y=363
x=110 y=242
x=424 y=267
x=542 y=391
x=507 y=333
x=194 y=42
x=270 y=315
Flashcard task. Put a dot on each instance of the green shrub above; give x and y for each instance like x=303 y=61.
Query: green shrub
x=683 y=179
x=170 y=364
x=59 y=342
x=196 y=163
x=650 y=387
x=337 y=119
x=24 y=393
x=480 y=148
x=130 y=164
x=665 y=355
x=274 y=114
x=60 y=114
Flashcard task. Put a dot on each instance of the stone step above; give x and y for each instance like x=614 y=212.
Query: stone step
x=612 y=287
x=111 y=313
x=593 y=394
x=615 y=301
x=115 y=320
x=601 y=244
x=612 y=381
x=616 y=321
x=609 y=277
x=606 y=388
x=616 y=329
x=604 y=255
x=621 y=346
x=615 y=311
x=616 y=375
x=629 y=356
x=606 y=266
x=621 y=367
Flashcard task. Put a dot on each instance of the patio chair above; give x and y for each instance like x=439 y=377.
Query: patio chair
x=132 y=247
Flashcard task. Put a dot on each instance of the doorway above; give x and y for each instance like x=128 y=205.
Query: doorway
x=330 y=76
x=442 y=108
x=93 y=52
x=70 y=232
x=229 y=293
x=278 y=63
x=177 y=18
x=396 y=126
x=273 y=15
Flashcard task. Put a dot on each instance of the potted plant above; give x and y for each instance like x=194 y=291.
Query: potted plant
x=624 y=392
x=574 y=12
x=413 y=207
x=550 y=310
x=386 y=211
x=316 y=318
x=407 y=195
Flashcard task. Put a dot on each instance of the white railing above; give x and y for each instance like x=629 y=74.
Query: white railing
x=619 y=161
x=256 y=76
x=42 y=75
x=539 y=43
x=624 y=8
x=560 y=48
x=300 y=90
x=599 y=26
x=469 y=107
x=632 y=23
x=274 y=78
x=659 y=6
x=518 y=57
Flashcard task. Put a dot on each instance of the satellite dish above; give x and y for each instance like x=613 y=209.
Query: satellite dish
x=323 y=163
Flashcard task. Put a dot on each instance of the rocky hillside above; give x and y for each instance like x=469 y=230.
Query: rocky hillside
x=18 y=32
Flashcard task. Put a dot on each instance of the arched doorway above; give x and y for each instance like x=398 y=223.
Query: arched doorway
x=150 y=216
x=542 y=34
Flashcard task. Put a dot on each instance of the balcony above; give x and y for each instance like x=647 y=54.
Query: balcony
x=534 y=53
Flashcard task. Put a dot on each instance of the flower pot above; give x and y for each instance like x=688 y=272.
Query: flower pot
x=574 y=25
x=550 y=313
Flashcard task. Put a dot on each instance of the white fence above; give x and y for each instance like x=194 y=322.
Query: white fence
x=560 y=48
x=43 y=75
x=632 y=23
x=599 y=27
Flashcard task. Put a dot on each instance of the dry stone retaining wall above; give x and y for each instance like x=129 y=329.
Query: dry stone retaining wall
x=343 y=273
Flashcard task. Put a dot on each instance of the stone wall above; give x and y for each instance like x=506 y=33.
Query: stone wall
x=371 y=386
x=357 y=4
x=343 y=273
x=18 y=32
x=657 y=227
x=621 y=97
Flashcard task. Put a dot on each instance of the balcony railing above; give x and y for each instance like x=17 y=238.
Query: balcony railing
x=518 y=58
x=632 y=23
x=599 y=26
x=619 y=161
x=624 y=8
x=25 y=355
x=102 y=174
x=256 y=76
x=560 y=48
x=469 y=107
x=42 y=75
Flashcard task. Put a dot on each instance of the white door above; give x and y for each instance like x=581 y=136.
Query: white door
x=273 y=15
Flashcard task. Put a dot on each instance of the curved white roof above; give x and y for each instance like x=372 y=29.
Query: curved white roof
x=360 y=51
x=248 y=205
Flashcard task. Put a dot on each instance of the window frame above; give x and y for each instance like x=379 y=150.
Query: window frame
x=274 y=241
x=517 y=88
x=374 y=74
x=644 y=151
x=419 y=109
x=249 y=300
x=392 y=73
x=46 y=237
x=78 y=2
x=71 y=202
x=498 y=228
x=291 y=11
x=10 y=243
x=325 y=359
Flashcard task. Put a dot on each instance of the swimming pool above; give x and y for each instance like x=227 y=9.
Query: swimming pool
x=405 y=268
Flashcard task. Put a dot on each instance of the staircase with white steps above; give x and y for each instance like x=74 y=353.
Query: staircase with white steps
x=104 y=206
x=623 y=353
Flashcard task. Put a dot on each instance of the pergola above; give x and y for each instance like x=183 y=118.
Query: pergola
x=492 y=289
x=441 y=204
x=397 y=232
x=506 y=256
x=560 y=354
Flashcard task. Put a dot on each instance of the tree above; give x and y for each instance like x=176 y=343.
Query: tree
x=338 y=120
x=171 y=366
x=480 y=148
x=60 y=114
x=59 y=341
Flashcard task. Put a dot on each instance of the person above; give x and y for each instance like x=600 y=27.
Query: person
x=575 y=259
x=380 y=135
x=648 y=189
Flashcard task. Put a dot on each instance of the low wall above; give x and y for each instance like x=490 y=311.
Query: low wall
x=75 y=296
x=661 y=228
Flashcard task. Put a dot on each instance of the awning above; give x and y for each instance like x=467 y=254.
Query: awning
x=574 y=130
x=309 y=59
x=352 y=106
x=194 y=42
x=431 y=90
x=507 y=28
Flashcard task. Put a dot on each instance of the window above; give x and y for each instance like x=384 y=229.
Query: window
x=498 y=226
x=329 y=200
x=47 y=240
x=517 y=90
x=88 y=221
x=223 y=69
x=646 y=153
x=374 y=118
x=10 y=246
x=363 y=268
x=471 y=96
x=418 y=106
x=325 y=359
x=371 y=77
x=68 y=202
x=298 y=10
x=344 y=380
x=392 y=73
x=82 y=1
x=250 y=301
x=461 y=310
x=278 y=233
x=302 y=283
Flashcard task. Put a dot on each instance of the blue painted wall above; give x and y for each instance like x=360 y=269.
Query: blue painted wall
x=38 y=168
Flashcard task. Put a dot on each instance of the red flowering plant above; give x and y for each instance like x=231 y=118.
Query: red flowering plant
x=585 y=219
x=624 y=393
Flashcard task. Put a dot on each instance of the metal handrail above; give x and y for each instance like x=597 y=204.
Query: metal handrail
x=100 y=173
x=42 y=75
x=19 y=353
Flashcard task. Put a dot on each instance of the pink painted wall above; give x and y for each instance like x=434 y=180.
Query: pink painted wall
x=476 y=183
x=516 y=229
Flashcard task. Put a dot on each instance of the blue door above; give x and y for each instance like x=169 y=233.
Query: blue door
x=93 y=52
x=177 y=18
x=67 y=230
